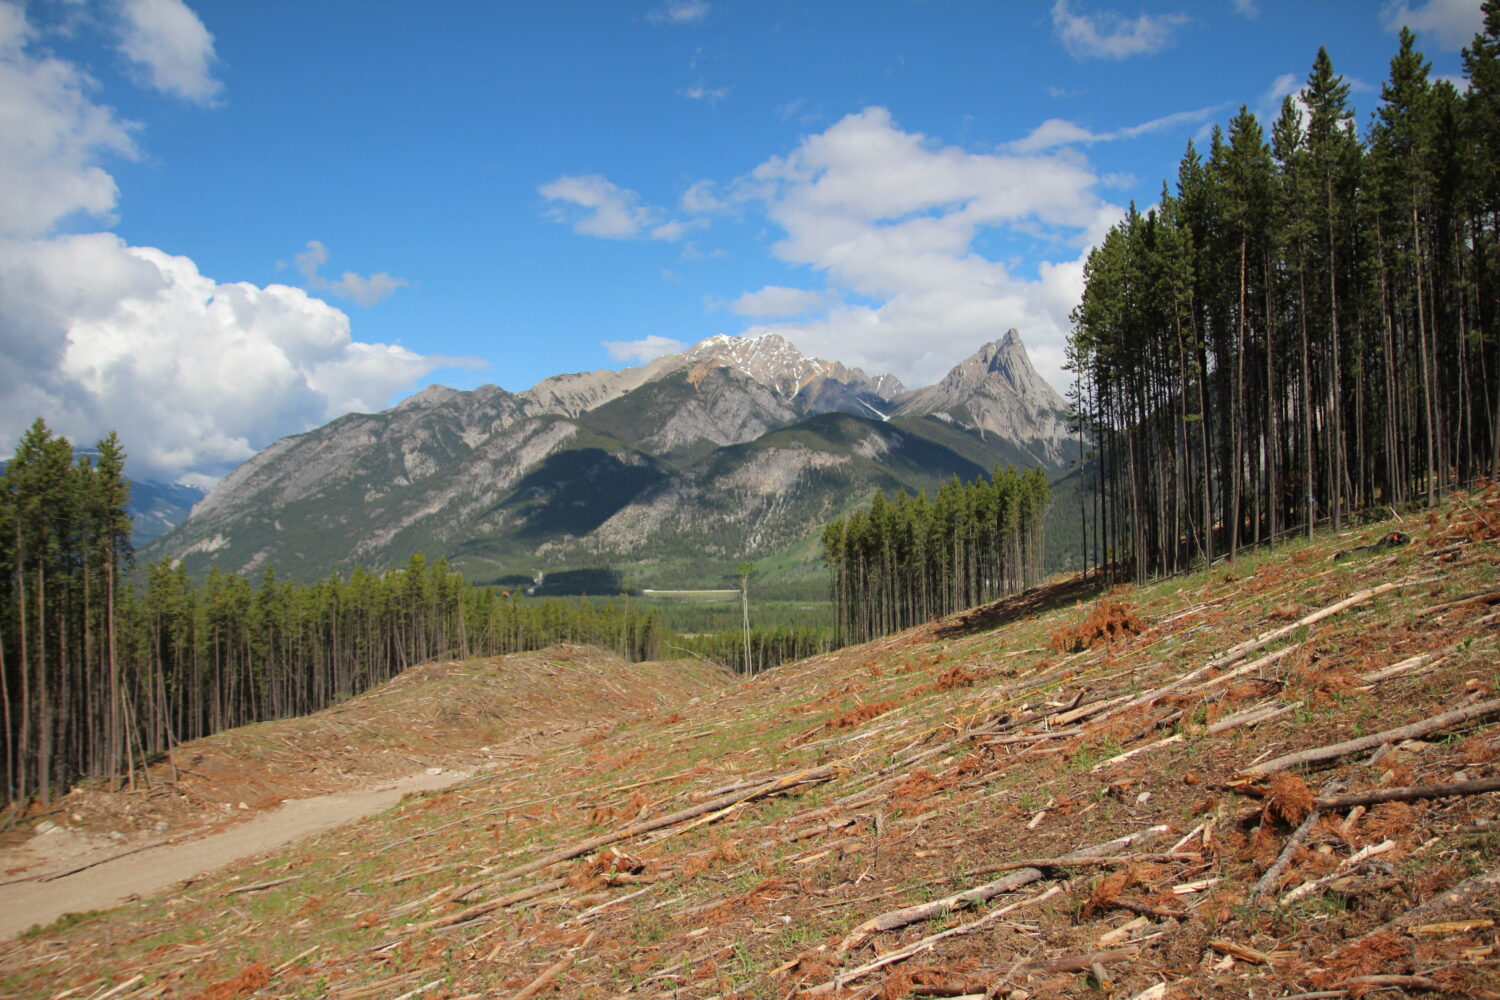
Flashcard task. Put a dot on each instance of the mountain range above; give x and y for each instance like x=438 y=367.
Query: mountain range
x=738 y=448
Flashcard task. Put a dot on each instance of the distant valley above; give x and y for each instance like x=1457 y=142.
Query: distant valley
x=670 y=472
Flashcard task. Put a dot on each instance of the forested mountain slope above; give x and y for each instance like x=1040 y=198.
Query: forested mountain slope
x=1269 y=777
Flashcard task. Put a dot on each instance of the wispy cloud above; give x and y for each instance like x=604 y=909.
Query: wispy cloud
x=1056 y=132
x=643 y=350
x=595 y=206
x=1452 y=24
x=679 y=12
x=699 y=92
x=366 y=291
x=1109 y=35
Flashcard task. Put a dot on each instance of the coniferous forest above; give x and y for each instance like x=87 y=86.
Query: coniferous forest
x=101 y=673
x=1307 y=325
x=895 y=564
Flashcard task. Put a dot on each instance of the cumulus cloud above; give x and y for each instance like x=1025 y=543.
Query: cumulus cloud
x=170 y=43
x=775 y=300
x=1056 y=132
x=1451 y=23
x=679 y=12
x=1246 y=8
x=891 y=217
x=1108 y=35
x=51 y=137
x=194 y=373
x=364 y=290
x=197 y=375
x=595 y=206
x=643 y=350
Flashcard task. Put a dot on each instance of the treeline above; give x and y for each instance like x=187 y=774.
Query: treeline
x=895 y=564
x=1306 y=326
x=97 y=676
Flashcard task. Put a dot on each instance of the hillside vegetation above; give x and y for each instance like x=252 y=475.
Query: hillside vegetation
x=1066 y=793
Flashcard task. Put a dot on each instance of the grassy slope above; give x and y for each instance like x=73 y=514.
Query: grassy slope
x=753 y=900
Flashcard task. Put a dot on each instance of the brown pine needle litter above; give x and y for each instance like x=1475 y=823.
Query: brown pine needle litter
x=1069 y=793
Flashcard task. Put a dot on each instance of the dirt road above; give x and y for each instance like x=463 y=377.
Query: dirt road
x=117 y=872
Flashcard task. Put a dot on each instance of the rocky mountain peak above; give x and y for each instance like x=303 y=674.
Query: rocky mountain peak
x=996 y=390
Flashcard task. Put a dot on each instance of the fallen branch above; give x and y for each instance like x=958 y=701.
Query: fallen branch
x=889 y=958
x=911 y=914
x=1362 y=854
x=480 y=909
x=1072 y=862
x=1333 y=752
x=1490 y=598
x=552 y=972
x=769 y=786
x=1460 y=894
x=1079 y=963
x=1408 y=793
x=1268 y=881
x=259 y=885
x=1249 y=646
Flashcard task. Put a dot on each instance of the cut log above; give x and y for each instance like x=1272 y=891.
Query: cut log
x=1408 y=793
x=979 y=893
x=924 y=944
x=1436 y=723
x=1244 y=649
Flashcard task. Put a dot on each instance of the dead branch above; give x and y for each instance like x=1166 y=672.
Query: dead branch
x=923 y=911
x=1080 y=963
x=480 y=909
x=1408 y=793
x=259 y=885
x=1489 y=598
x=552 y=972
x=769 y=786
x=1307 y=888
x=1460 y=894
x=1249 y=646
x=1072 y=862
x=1319 y=754
x=889 y=958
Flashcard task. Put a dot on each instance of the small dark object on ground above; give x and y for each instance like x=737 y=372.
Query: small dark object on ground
x=1389 y=540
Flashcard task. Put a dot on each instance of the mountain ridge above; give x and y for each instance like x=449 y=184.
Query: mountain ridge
x=503 y=482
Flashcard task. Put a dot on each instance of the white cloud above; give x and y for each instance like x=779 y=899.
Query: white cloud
x=1452 y=24
x=891 y=217
x=169 y=41
x=699 y=199
x=776 y=300
x=1246 y=8
x=679 y=12
x=643 y=350
x=1108 y=35
x=1056 y=132
x=364 y=290
x=51 y=137
x=196 y=375
x=595 y=206
x=699 y=92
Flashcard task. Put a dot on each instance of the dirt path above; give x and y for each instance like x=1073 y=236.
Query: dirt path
x=117 y=872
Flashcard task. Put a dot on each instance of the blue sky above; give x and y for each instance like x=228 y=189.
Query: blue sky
x=224 y=222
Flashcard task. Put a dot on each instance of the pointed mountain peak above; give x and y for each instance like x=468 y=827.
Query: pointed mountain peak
x=1005 y=358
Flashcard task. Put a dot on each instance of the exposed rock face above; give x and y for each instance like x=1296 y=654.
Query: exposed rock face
x=734 y=447
x=997 y=391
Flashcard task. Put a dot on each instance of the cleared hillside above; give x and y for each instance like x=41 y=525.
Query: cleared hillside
x=1065 y=794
